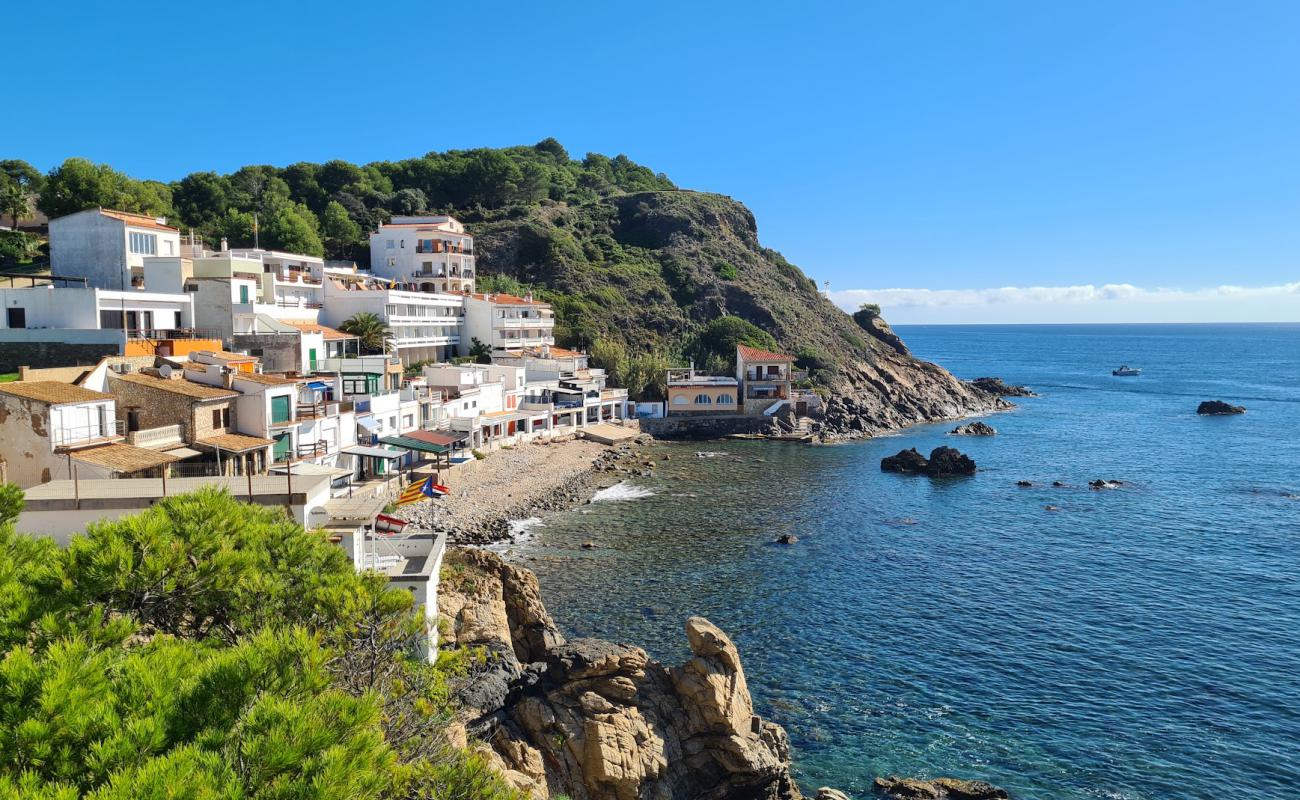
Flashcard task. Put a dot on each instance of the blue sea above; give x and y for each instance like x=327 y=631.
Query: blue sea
x=1138 y=642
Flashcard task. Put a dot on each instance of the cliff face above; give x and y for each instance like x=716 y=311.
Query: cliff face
x=652 y=268
x=597 y=720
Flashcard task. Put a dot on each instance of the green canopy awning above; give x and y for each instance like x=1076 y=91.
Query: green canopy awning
x=408 y=443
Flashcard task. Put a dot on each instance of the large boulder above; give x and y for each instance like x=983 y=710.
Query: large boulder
x=1001 y=388
x=908 y=462
x=1218 y=407
x=974 y=429
x=937 y=789
x=945 y=461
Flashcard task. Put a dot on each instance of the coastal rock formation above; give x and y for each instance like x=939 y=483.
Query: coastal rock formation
x=596 y=720
x=943 y=462
x=876 y=326
x=938 y=789
x=1218 y=407
x=827 y=793
x=1101 y=483
x=974 y=429
x=1000 y=388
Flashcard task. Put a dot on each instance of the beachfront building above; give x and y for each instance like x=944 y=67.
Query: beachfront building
x=506 y=322
x=107 y=247
x=298 y=347
x=690 y=393
x=425 y=326
x=425 y=253
x=562 y=381
x=764 y=378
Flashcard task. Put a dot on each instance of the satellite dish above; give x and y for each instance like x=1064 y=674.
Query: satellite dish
x=318 y=517
x=165 y=370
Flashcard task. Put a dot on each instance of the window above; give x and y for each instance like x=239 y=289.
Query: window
x=703 y=400
x=392 y=262
x=168 y=247
x=221 y=417
x=392 y=423
x=145 y=244
x=408 y=421
x=16 y=317
x=679 y=400
x=281 y=406
x=391 y=244
x=726 y=400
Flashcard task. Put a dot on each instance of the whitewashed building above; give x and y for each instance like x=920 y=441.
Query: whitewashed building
x=427 y=253
x=507 y=322
x=108 y=247
x=426 y=326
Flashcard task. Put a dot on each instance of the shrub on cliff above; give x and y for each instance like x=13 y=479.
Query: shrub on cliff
x=213 y=647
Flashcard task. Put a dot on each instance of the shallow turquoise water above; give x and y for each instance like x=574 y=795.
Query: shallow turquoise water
x=1137 y=643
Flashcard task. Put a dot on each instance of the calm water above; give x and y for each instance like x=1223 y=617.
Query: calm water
x=1137 y=643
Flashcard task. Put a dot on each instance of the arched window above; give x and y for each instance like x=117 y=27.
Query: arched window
x=703 y=400
x=679 y=400
x=726 y=400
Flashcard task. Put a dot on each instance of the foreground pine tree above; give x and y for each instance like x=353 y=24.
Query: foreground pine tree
x=211 y=649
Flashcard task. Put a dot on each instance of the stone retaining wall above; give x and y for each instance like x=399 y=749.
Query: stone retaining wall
x=696 y=427
x=52 y=354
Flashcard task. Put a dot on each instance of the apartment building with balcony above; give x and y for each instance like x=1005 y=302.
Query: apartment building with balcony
x=425 y=326
x=108 y=248
x=292 y=346
x=63 y=322
x=53 y=430
x=764 y=378
x=506 y=322
x=426 y=253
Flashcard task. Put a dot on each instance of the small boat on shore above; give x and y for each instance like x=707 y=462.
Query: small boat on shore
x=1126 y=371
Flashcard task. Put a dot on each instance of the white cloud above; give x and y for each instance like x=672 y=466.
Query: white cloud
x=1112 y=302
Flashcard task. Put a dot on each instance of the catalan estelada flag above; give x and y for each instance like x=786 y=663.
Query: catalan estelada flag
x=417 y=491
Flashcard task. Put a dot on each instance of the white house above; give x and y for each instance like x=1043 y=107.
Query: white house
x=107 y=247
x=426 y=326
x=429 y=253
x=507 y=322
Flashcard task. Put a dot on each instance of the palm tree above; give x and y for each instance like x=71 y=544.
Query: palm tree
x=374 y=335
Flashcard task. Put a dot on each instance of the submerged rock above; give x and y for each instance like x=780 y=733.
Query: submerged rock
x=1218 y=407
x=1000 y=388
x=974 y=429
x=787 y=538
x=1100 y=484
x=937 y=789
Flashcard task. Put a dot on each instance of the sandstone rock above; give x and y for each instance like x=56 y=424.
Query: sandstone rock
x=974 y=429
x=1218 y=407
x=998 y=387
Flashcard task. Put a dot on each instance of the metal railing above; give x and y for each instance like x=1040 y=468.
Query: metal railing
x=315 y=449
x=83 y=434
x=144 y=334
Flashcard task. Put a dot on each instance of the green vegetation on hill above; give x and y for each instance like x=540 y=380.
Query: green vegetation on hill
x=211 y=649
x=640 y=272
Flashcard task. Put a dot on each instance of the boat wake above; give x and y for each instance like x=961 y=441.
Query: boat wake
x=620 y=492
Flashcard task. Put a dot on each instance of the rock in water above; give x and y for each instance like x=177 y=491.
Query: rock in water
x=1100 y=484
x=946 y=461
x=597 y=720
x=787 y=538
x=938 y=789
x=998 y=387
x=1218 y=407
x=908 y=462
x=974 y=429
x=827 y=793
x=1024 y=484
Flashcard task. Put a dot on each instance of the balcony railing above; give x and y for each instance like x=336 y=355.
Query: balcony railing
x=143 y=334
x=315 y=449
x=162 y=436
x=85 y=434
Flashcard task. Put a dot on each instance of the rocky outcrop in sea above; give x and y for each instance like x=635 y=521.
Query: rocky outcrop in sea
x=943 y=462
x=597 y=720
x=974 y=429
x=1000 y=388
x=1218 y=408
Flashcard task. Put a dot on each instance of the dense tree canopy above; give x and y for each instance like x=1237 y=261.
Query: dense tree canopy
x=207 y=648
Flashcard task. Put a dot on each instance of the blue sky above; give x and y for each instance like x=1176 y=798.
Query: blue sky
x=951 y=146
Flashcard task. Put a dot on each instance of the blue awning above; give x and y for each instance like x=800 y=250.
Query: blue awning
x=319 y=386
x=369 y=424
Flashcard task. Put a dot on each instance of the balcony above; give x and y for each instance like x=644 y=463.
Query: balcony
x=82 y=435
x=171 y=334
x=160 y=438
x=358 y=364
x=315 y=449
x=525 y=322
x=321 y=410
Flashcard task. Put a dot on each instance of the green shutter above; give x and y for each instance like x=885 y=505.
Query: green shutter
x=280 y=409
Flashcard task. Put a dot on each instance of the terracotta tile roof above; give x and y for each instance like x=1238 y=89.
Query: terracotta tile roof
x=264 y=379
x=235 y=442
x=52 y=392
x=432 y=437
x=747 y=353
x=124 y=457
x=225 y=355
x=180 y=386
x=311 y=327
x=508 y=300
x=137 y=220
